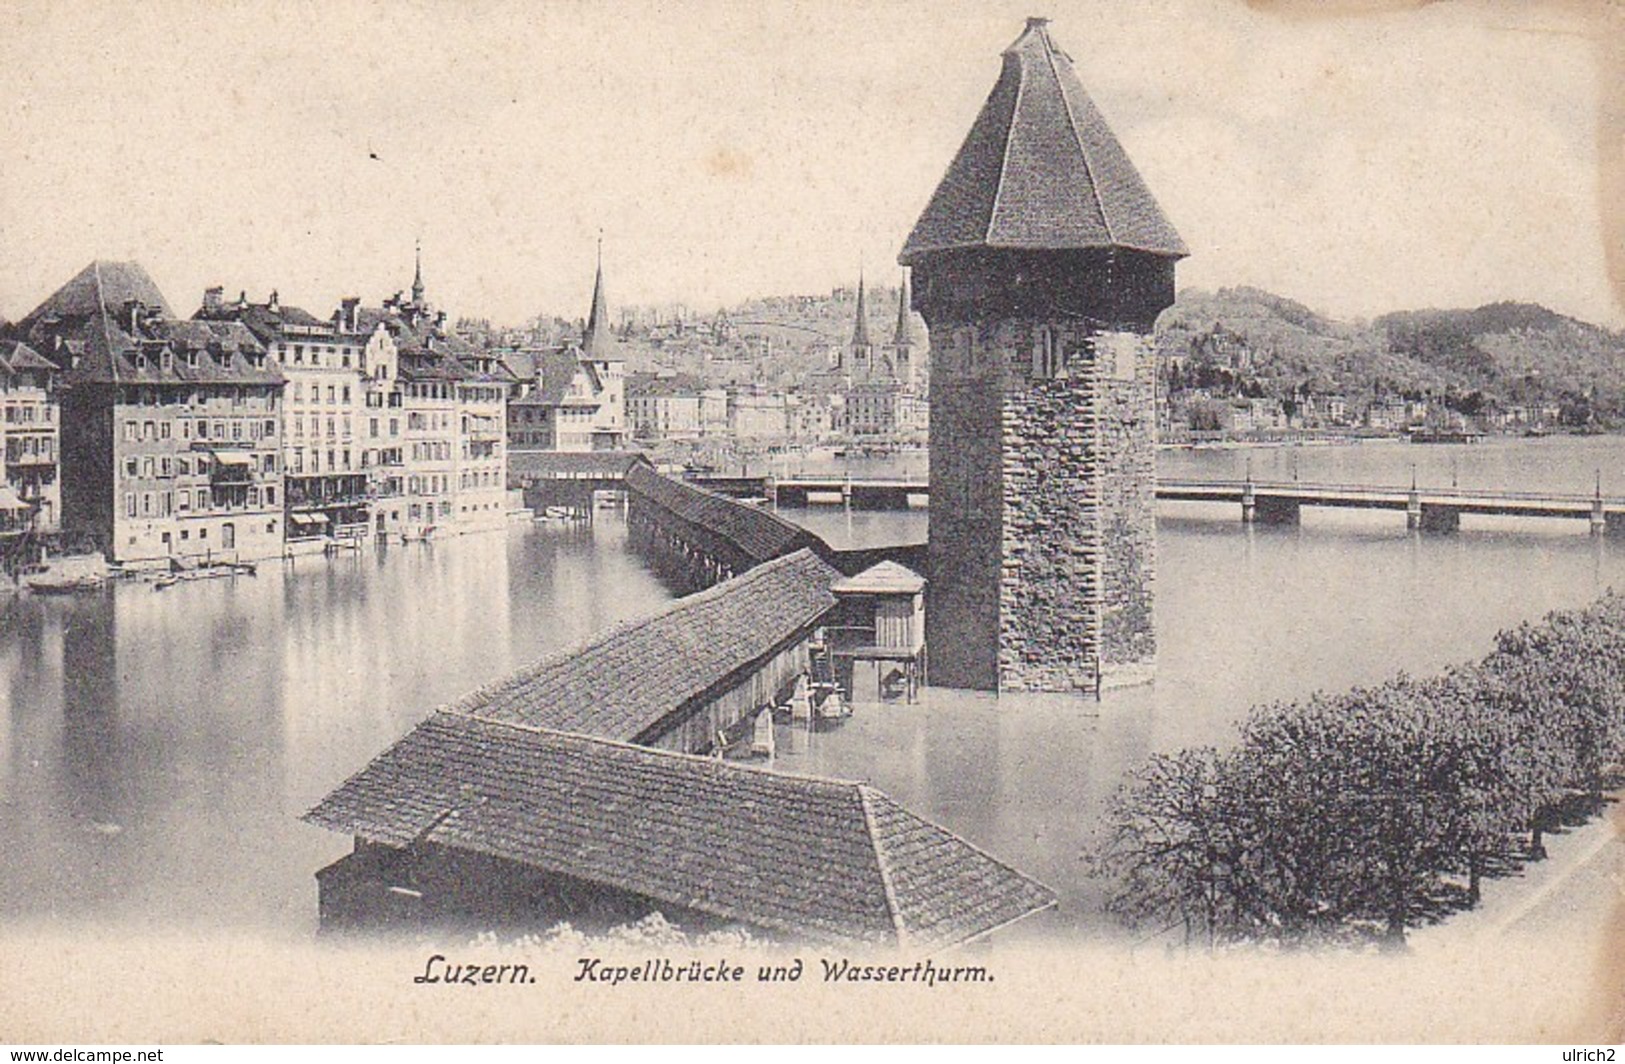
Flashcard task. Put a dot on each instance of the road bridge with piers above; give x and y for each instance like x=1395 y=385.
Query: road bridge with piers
x=1260 y=502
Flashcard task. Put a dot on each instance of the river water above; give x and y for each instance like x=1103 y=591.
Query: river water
x=156 y=748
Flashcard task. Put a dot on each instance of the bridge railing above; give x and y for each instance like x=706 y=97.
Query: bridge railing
x=1269 y=487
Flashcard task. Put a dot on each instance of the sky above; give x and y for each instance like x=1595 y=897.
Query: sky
x=1382 y=157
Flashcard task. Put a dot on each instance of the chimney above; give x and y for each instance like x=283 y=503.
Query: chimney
x=214 y=298
x=242 y=300
x=272 y=304
x=132 y=316
x=350 y=313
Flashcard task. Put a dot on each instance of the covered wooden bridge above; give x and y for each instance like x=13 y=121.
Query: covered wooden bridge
x=504 y=825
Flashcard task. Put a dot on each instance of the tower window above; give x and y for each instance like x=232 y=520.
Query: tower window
x=1049 y=355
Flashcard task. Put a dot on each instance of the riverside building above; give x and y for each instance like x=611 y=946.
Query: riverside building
x=170 y=430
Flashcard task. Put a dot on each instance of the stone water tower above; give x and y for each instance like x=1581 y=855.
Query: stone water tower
x=1040 y=265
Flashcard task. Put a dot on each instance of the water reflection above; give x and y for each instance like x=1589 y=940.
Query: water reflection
x=159 y=746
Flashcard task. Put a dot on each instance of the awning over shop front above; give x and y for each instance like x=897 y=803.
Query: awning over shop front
x=9 y=499
x=308 y=519
x=234 y=458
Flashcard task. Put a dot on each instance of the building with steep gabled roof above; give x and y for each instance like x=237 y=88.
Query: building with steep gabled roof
x=101 y=286
x=1040 y=264
x=577 y=399
x=171 y=430
x=472 y=819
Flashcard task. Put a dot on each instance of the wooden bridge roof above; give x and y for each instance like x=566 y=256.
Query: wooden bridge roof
x=634 y=681
x=818 y=859
x=566 y=465
x=758 y=534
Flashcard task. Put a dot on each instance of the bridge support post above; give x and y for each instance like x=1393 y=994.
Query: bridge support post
x=1436 y=518
x=1276 y=510
x=1599 y=518
x=1249 y=504
x=1413 y=511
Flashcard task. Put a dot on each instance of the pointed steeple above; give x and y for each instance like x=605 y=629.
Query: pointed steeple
x=596 y=341
x=1041 y=171
x=417 y=278
x=860 y=331
x=904 y=336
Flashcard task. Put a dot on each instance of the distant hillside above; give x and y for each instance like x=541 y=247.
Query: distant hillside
x=1250 y=342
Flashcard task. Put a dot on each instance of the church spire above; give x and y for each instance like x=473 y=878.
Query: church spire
x=596 y=339
x=904 y=336
x=417 y=277
x=860 y=331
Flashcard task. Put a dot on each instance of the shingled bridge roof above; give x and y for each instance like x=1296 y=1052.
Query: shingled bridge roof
x=822 y=860
x=636 y=680
x=758 y=534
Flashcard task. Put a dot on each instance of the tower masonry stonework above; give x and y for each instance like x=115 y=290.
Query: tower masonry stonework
x=1040 y=266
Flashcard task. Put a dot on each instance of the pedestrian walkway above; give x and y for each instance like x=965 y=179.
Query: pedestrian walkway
x=1574 y=894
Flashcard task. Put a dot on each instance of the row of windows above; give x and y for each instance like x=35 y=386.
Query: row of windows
x=336 y=394
x=420 y=511
x=345 y=354
x=28 y=413
x=432 y=484
x=169 y=503
x=227 y=539
x=338 y=459
x=480 y=480
x=239 y=395
x=166 y=465
x=20 y=447
x=333 y=425
x=223 y=429
x=431 y=451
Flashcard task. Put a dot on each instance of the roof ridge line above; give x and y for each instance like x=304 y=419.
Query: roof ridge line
x=1077 y=138
x=630 y=624
x=1004 y=156
x=864 y=791
x=656 y=752
x=905 y=810
x=107 y=336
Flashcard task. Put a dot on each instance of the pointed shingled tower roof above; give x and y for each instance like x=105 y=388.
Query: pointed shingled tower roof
x=596 y=341
x=860 y=331
x=1040 y=170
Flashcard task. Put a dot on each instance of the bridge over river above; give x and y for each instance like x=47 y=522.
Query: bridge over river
x=1260 y=502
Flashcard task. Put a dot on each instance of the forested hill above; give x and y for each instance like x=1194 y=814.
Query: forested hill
x=1247 y=341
